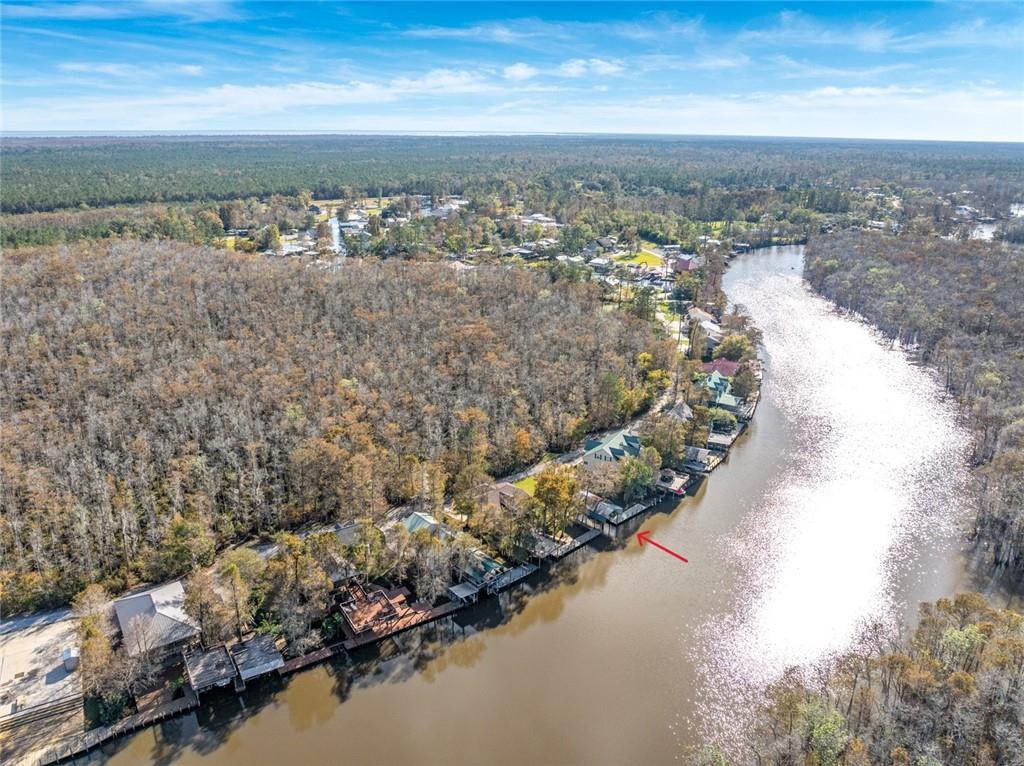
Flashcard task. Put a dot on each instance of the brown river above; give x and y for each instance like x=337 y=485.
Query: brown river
x=841 y=505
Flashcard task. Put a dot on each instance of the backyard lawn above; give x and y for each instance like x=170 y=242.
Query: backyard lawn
x=528 y=484
x=645 y=257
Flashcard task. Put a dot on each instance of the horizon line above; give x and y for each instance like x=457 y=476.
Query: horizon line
x=112 y=133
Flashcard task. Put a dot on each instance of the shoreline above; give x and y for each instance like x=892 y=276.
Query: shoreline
x=604 y=537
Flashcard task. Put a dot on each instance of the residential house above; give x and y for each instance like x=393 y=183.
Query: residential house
x=698 y=460
x=505 y=496
x=416 y=521
x=720 y=442
x=699 y=315
x=479 y=569
x=543 y=220
x=719 y=390
x=683 y=265
x=603 y=454
x=714 y=333
x=724 y=367
x=155 y=620
x=601 y=264
x=681 y=412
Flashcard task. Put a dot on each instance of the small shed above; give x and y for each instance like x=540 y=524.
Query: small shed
x=256 y=656
x=210 y=668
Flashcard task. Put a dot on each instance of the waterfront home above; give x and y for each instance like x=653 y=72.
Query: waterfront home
x=505 y=496
x=155 y=620
x=480 y=568
x=683 y=265
x=720 y=442
x=716 y=382
x=602 y=454
x=695 y=314
x=720 y=392
x=368 y=608
x=697 y=459
x=724 y=367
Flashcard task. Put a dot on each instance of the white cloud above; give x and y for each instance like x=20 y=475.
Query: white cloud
x=574 y=68
x=112 y=70
x=660 y=26
x=663 y=27
x=509 y=33
x=720 y=61
x=198 y=108
x=519 y=71
x=793 y=69
x=440 y=80
x=208 y=10
x=602 y=67
x=794 y=28
x=108 y=69
x=581 y=67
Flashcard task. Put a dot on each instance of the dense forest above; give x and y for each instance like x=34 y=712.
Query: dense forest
x=961 y=306
x=664 y=190
x=953 y=693
x=112 y=171
x=163 y=400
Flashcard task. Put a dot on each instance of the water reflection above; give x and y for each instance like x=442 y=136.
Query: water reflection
x=872 y=489
x=838 y=507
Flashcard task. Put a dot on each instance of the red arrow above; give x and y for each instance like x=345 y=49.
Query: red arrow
x=645 y=537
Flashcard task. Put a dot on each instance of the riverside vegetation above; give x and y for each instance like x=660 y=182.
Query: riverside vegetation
x=163 y=401
x=960 y=305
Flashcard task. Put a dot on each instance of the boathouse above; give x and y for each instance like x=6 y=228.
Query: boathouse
x=210 y=668
x=256 y=656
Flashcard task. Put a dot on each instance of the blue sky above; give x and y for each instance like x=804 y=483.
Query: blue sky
x=868 y=70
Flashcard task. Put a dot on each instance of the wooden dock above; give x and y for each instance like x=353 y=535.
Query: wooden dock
x=83 y=743
x=510 y=576
x=575 y=544
x=298 y=663
x=413 y=618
